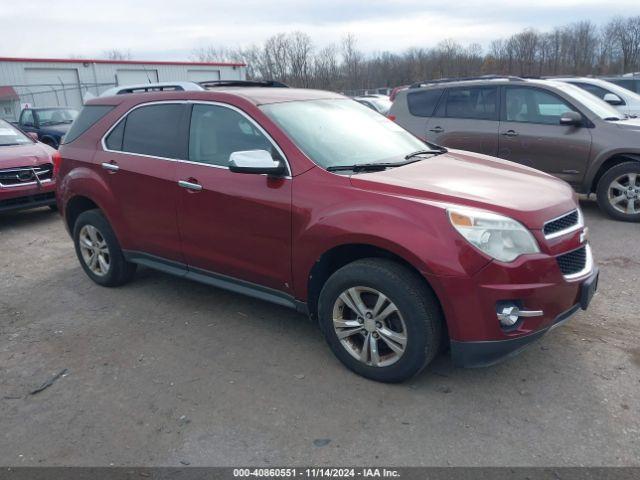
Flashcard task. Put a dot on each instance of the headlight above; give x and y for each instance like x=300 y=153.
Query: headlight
x=498 y=236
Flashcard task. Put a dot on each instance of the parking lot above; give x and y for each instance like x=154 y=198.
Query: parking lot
x=165 y=371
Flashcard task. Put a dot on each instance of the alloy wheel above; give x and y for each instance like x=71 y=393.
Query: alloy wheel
x=369 y=326
x=624 y=193
x=94 y=250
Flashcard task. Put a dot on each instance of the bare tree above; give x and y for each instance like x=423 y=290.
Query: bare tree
x=116 y=54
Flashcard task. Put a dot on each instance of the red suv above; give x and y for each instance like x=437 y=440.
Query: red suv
x=27 y=171
x=310 y=200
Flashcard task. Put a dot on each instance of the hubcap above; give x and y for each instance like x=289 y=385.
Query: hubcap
x=94 y=250
x=370 y=326
x=624 y=193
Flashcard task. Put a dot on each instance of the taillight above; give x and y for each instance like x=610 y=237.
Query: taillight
x=391 y=117
x=56 y=158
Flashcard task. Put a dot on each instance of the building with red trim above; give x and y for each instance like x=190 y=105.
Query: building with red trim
x=70 y=82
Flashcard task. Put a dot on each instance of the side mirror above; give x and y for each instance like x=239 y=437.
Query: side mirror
x=255 y=161
x=33 y=136
x=612 y=99
x=571 y=118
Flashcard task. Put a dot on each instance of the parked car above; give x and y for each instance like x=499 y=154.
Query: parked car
x=49 y=123
x=27 y=177
x=625 y=101
x=377 y=103
x=629 y=81
x=549 y=125
x=307 y=199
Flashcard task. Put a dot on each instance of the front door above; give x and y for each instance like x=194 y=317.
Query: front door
x=531 y=134
x=139 y=165
x=467 y=119
x=233 y=224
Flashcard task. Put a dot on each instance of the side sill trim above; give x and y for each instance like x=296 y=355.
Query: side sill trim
x=215 y=279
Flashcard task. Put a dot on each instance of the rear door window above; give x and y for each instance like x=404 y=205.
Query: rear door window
x=423 y=102
x=156 y=130
x=472 y=102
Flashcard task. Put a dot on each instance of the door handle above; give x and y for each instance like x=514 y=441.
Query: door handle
x=436 y=129
x=190 y=185
x=510 y=133
x=110 y=166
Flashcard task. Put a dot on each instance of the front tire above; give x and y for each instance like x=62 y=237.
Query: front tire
x=99 y=252
x=618 y=192
x=380 y=319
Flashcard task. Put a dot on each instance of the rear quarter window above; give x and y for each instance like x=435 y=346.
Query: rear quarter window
x=423 y=103
x=89 y=115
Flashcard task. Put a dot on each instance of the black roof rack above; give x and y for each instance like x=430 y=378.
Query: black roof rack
x=467 y=79
x=242 y=83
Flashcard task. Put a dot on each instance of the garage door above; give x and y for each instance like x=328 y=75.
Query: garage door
x=203 y=75
x=53 y=87
x=133 y=76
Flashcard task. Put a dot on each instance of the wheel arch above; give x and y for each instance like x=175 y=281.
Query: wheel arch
x=609 y=163
x=340 y=255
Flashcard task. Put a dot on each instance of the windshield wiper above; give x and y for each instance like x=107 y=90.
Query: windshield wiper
x=369 y=167
x=434 y=151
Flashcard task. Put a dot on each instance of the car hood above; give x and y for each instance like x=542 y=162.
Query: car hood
x=628 y=124
x=27 y=155
x=464 y=178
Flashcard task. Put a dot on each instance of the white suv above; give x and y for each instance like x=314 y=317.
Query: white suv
x=625 y=101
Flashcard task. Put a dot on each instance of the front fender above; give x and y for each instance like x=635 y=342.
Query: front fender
x=415 y=230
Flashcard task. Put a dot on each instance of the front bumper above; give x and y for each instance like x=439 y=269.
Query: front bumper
x=22 y=198
x=473 y=354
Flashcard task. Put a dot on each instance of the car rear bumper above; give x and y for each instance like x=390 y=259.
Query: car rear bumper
x=472 y=354
x=20 y=198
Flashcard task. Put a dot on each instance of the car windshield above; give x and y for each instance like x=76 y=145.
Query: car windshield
x=601 y=108
x=9 y=135
x=341 y=132
x=55 y=116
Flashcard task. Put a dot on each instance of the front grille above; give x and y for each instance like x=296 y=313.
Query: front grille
x=573 y=262
x=10 y=177
x=29 y=199
x=565 y=222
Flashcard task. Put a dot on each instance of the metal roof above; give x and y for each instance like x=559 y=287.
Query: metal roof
x=119 y=62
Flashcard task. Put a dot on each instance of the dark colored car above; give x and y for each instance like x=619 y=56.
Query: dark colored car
x=49 y=124
x=27 y=176
x=549 y=125
x=309 y=200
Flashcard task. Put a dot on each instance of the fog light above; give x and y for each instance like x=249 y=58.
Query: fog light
x=508 y=315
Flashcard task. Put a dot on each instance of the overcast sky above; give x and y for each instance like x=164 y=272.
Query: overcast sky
x=170 y=29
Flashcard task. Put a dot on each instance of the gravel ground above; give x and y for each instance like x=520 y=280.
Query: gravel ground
x=164 y=371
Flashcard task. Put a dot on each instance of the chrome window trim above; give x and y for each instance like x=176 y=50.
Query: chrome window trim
x=579 y=224
x=588 y=265
x=192 y=102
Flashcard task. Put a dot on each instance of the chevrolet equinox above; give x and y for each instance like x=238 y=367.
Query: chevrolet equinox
x=307 y=199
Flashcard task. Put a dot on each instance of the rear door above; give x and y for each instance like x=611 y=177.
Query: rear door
x=233 y=224
x=467 y=119
x=419 y=106
x=139 y=165
x=531 y=134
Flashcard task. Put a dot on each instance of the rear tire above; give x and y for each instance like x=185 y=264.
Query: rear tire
x=99 y=252
x=385 y=310
x=618 y=192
